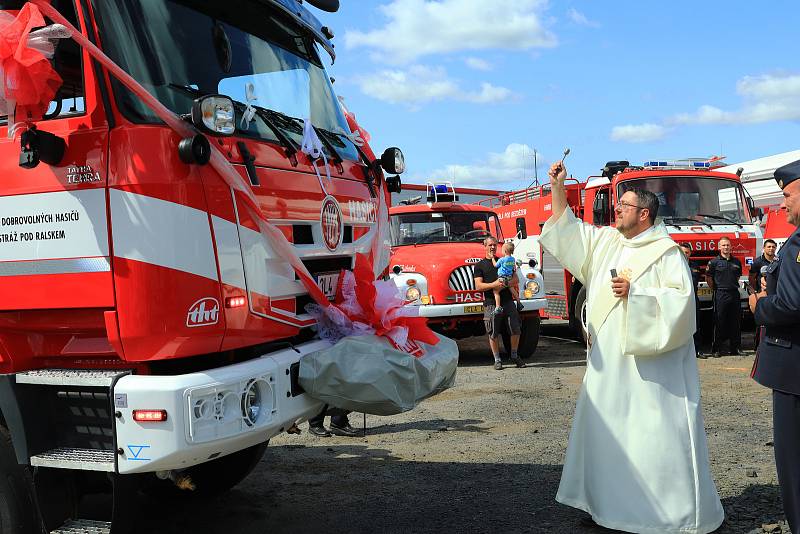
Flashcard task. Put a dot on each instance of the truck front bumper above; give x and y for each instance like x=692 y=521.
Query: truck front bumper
x=209 y=414
x=458 y=310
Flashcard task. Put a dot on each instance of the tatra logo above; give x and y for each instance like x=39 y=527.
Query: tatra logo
x=472 y=260
x=331 y=219
x=82 y=174
x=204 y=312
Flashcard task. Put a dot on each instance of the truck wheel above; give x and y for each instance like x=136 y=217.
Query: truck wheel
x=578 y=320
x=211 y=478
x=17 y=511
x=529 y=339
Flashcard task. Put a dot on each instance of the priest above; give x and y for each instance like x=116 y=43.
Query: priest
x=637 y=458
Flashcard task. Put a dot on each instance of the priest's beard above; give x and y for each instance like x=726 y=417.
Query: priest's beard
x=625 y=228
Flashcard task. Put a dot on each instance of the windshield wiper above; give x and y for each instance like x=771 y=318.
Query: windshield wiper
x=287 y=144
x=324 y=137
x=673 y=220
x=721 y=218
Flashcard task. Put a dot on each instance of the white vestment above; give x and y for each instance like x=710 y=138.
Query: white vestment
x=637 y=458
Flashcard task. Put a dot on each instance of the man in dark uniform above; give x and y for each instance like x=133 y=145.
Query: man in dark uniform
x=486 y=280
x=687 y=251
x=777 y=364
x=756 y=269
x=722 y=276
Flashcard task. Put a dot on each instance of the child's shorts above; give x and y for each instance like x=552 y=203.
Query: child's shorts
x=506 y=280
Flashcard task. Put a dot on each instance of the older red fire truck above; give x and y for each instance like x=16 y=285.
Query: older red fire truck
x=435 y=247
x=148 y=331
x=697 y=204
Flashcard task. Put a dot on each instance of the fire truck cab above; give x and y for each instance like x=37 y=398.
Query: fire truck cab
x=149 y=333
x=698 y=206
x=435 y=247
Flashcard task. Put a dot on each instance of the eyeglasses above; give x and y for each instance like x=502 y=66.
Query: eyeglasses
x=623 y=205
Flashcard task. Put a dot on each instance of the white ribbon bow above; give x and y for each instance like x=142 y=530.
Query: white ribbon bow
x=249 y=111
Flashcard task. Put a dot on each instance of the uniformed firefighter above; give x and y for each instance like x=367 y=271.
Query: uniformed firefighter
x=722 y=276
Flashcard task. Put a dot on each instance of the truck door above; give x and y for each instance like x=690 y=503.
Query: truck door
x=54 y=243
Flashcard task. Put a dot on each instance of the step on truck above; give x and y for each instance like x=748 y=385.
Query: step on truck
x=149 y=334
x=435 y=246
x=697 y=204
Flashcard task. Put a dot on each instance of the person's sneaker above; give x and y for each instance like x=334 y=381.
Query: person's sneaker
x=498 y=365
x=346 y=430
x=702 y=355
x=518 y=362
x=319 y=431
x=520 y=306
x=497 y=310
x=715 y=355
x=737 y=352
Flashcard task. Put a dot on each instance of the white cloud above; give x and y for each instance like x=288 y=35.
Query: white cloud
x=580 y=19
x=477 y=63
x=417 y=28
x=510 y=169
x=420 y=84
x=767 y=98
x=638 y=133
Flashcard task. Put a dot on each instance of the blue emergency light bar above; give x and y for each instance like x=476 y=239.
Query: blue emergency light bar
x=677 y=164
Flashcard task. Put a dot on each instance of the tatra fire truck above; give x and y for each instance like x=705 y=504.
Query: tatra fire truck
x=435 y=247
x=697 y=204
x=148 y=332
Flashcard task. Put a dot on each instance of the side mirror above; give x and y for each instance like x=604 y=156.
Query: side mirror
x=601 y=211
x=522 y=231
x=392 y=161
x=755 y=213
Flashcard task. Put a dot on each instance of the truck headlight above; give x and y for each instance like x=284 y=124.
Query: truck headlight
x=532 y=286
x=412 y=293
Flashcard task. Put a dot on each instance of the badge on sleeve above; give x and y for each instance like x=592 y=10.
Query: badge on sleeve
x=798 y=257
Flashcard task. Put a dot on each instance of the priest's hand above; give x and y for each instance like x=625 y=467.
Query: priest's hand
x=620 y=287
x=557 y=173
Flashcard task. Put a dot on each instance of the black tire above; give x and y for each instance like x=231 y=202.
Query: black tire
x=578 y=319
x=211 y=478
x=529 y=339
x=17 y=510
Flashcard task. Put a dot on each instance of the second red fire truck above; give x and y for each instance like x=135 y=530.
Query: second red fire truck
x=697 y=204
x=435 y=247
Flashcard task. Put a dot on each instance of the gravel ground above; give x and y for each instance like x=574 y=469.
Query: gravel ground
x=483 y=456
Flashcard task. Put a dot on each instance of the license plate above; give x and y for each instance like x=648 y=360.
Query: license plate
x=327 y=283
x=474 y=309
x=703 y=292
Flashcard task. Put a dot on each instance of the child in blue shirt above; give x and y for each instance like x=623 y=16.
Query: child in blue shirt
x=505 y=272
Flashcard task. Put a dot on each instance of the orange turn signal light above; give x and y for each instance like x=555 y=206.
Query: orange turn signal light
x=150 y=416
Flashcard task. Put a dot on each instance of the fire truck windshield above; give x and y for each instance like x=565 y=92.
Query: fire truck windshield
x=443 y=227
x=244 y=49
x=683 y=199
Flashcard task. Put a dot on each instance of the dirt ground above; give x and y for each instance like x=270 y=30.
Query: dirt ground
x=483 y=456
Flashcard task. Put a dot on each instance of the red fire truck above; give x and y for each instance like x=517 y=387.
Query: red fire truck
x=148 y=331
x=435 y=247
x=697 y=204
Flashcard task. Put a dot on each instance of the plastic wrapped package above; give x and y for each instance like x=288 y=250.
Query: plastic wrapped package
x=367 y=374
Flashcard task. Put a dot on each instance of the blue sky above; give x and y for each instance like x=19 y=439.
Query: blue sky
x=469 y=88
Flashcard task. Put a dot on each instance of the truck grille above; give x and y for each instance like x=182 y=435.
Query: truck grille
x=461 y=279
